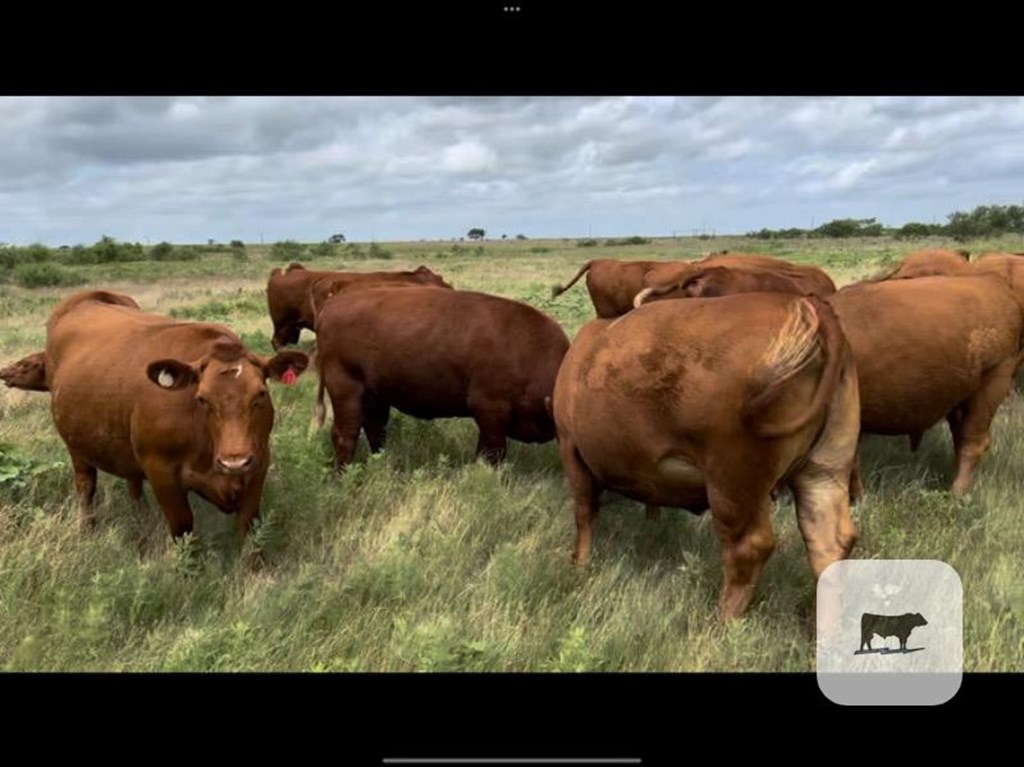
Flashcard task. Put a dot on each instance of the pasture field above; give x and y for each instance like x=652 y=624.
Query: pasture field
x=422 y=559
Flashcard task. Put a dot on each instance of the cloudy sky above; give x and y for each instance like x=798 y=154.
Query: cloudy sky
x=189 y=169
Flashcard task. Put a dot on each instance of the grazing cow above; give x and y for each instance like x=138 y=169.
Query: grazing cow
x=28 y=373
x=288 y=295
x=807 y=279
x=898 y=626
x=933 y=348
x=437 y=354
x=1009 y=266
x=182 y=405
x=326 y=287
x=613 y=285
x=931 y=263
x=712 y=403
x=714 y=281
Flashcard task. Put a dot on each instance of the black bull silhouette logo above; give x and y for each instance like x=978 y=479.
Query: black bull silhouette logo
x=886 y=626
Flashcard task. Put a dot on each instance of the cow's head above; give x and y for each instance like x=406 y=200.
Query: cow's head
x=28 y=373
x=427 y=277
x=229 y=386
x=919 y=620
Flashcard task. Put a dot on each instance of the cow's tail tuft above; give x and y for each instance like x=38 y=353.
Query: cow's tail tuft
x=810 y=326
x=557 y=290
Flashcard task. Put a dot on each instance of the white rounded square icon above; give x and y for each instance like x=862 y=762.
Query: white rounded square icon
x=889 y=632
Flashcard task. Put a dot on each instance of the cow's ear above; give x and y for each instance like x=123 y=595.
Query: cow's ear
x=172 y=374
x=285 y=366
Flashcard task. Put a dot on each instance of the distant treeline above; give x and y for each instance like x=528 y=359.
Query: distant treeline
x=36 y=265
x=983 y=221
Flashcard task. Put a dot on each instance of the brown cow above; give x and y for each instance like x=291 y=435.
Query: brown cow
x=931 y=348
x=324 y=288
x=613 y=285
x=288 y=295
x=28 y=373
x=711 y=403
x=1009 y=266
x=437 y=354
x=931 y=263
x=714 y=281
x=806 y=279
x=183 y=405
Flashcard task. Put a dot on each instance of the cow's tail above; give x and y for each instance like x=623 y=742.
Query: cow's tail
x=557 y=290
x=810 y=325
x=321 y=410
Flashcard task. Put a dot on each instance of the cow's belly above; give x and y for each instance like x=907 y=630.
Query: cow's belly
x=897 y=410
x=100 y=438
x=667 y=480
x=423 y=393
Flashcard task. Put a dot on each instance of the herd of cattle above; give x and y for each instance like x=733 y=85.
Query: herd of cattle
x=762 y=379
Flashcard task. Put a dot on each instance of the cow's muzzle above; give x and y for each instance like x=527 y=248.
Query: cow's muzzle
x=236 y=464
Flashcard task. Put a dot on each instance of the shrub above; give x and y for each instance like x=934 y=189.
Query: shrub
x=164 y=251
x=287 y=250
x=376 y=251
x=520 y=236
x=46 y=276
x=587 y=243
x=36 y=254
x=325 y=249
x=237 y=245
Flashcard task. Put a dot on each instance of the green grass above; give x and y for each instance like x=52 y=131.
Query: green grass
x=423 y=559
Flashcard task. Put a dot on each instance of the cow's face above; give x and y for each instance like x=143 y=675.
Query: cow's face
x=428 y=277
x=27 y=373
x=229 y=387
x=919 y=620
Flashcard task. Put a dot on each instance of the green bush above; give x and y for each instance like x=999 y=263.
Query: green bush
x=11 y=256
x=540 y=249
x=376 y=251
x=587 y=243
x=164 y=251
x=322 y=249
x=106 y=251
x=237 y=245
x=634 y=240
x=46 y=276
x=36 y=254
x=287 y=250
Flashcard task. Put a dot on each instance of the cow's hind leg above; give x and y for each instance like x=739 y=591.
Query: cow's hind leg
x=493 y=421
x=347 y=403
x=375 y=421
x=742 y=519
x=978 y=412
x=585 y=492
x=85 y=485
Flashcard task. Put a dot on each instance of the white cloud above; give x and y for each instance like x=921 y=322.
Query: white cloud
x=468 y=157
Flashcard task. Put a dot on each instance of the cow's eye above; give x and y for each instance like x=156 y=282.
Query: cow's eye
x=201 y=400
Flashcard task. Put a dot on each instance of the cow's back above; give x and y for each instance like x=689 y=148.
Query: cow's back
x=922 y=345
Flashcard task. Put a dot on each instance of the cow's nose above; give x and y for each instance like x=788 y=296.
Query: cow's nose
x=236 y=464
